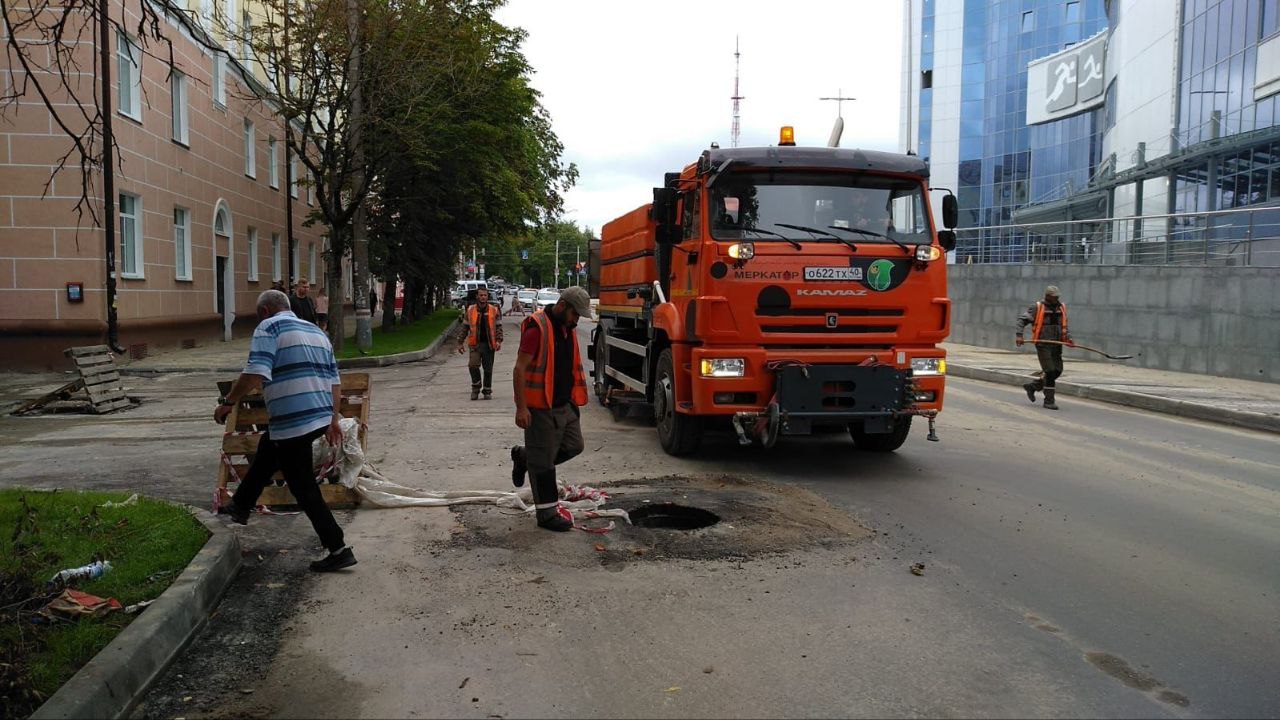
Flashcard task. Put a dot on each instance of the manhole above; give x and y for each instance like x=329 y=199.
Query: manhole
x=673 y=517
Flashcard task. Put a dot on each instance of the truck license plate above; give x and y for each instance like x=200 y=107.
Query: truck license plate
x=832 y=273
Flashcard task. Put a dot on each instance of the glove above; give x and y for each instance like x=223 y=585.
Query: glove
x=1018 y=341
x=1071 y=343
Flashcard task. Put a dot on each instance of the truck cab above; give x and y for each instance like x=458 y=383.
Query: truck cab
x=777 y=290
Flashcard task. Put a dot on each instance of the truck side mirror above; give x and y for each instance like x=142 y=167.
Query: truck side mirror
x=950 y=211
x=947 y=239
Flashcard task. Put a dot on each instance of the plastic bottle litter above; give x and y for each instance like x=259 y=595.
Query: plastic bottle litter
x=84 y=573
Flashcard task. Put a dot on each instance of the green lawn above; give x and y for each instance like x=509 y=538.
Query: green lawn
x=148 y=544
x=404 y=338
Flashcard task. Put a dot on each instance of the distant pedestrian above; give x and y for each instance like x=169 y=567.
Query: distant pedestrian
x=301 y=304
x=292 y=362
x=322 y=309
x=1048 y=321
x=482 y=333
x=550 y=387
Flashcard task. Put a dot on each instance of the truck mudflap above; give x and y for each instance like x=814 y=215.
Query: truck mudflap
x=814 y=395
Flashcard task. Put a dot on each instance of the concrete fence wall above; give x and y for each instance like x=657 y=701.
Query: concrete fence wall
x=1212 y=320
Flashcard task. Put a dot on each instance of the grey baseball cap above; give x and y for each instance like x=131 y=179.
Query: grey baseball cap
x=577 y=299
x=1052 y=290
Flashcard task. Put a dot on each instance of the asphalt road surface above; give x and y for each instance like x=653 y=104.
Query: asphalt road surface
x=1097 y=561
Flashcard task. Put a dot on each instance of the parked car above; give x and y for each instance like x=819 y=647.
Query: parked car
x=547 y=297
x=527 y=299
x=464 y=290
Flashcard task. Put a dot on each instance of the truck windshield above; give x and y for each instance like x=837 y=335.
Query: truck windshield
x=744 y=205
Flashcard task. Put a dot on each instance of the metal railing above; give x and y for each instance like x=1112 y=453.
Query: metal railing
x=1245 y=237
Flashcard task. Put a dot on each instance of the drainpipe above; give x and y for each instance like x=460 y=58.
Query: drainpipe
x=108 y=175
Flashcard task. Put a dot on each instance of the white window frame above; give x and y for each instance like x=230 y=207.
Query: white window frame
x=311 y=188
x=128 y=77
x=275 y=257
x=311 y=263
x=295 y=263
x=131 y=239
x=178 y=103
x=182 y=243
x=293 y=178
x=219 y=80
x=250 y=150
x=273 y=163
x=251 y=244
x=246 y=36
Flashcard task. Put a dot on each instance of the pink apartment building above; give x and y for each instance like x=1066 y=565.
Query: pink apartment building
x=201 y=185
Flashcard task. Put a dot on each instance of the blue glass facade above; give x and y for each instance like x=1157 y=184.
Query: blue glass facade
x=1004 y=163
x=925 y=129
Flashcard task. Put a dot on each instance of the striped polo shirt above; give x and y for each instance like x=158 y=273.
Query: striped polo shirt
x=296 y=360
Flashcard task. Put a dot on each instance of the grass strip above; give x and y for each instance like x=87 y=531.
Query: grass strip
x=148 y=544
x=404 y=338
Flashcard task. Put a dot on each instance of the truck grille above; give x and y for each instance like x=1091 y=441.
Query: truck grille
x=824 y=330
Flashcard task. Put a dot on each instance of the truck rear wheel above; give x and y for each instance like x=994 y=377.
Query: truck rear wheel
x=881 y=442
x=601 y=379
x=679 y=434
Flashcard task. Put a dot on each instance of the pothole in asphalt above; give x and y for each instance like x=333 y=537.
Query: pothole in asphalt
x=670 y=516
x=719 y=518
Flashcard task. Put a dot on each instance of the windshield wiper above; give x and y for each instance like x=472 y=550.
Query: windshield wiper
x=794 y=244
x=815 y=231
x=873 y=233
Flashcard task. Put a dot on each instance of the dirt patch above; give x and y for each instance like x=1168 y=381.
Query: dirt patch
x=1121 y=670
x=756 y=518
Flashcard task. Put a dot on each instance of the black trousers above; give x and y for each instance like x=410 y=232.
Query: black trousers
x=481 y=359
x=1050 y=357
x=291 y=457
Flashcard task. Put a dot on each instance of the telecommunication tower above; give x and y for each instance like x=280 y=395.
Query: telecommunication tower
x=737 y=128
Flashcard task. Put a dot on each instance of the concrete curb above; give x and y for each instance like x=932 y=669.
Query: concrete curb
x=1142 y=401
x=110 y=684
x=404 y=357
x=348 y=363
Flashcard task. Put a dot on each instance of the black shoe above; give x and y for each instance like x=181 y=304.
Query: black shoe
x=488 y=394
x=1049 y=403
x=236 y=514
x=518 y=465
x=475 y=393
x=334 y=561
x=551 y=519
x=1031 y=391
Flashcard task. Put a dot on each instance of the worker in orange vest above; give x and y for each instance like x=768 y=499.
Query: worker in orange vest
x=1048 y=321
x=482 y=325
x=549 y=390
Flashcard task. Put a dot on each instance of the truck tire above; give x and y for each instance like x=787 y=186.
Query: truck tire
x=881 y=442
x=679 y=434
x=600 y=383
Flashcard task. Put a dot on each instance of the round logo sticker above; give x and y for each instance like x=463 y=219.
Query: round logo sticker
x=879 y=274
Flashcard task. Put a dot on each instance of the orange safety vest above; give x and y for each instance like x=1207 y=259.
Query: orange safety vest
x=1039 y=323
x=473 y=338
x=541 y=374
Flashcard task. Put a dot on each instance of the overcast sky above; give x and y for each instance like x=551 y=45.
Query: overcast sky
x=637 y=88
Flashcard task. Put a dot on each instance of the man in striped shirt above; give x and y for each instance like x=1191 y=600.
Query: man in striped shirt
x=292 y=362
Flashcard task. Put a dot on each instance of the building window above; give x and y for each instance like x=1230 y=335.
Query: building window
x=311 y=263
x=219 y=79
x=1028 y=21
x=250 y=153
x=926 y=79
x=275 y=257
x=293 y=177
x=1073 y=12
x=311 y=188
x=295 y=263
x=252 y=245
x=273 y=163
x=178 y=99
x=131 y=235
x=128 y=71
x=182 y=243
x=246 y=37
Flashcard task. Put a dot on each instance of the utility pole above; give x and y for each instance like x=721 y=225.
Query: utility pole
x=359 y=228
x=838 y=129
x=108 y=173
x=736 y=131
x=557 y=272
x=577 y=260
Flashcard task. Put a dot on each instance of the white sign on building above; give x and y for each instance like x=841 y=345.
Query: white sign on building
x=1067 y=82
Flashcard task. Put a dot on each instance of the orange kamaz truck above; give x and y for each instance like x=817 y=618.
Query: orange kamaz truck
x=775 y=290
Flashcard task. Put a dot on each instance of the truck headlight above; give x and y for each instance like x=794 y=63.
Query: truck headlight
x=742 y=251
x=724 y=367
x=926 y=253
x=928 y=366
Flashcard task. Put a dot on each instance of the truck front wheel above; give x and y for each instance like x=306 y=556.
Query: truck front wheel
x=881 y=442
x=679 y=434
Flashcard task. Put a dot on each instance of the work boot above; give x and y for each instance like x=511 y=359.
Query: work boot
x=475 y=392
x=551 y=519
x=546 y=496
x=518 y=465
x=235 y=513
x=335 y=560
x=1031 y=391
x=1049 y=404
x=488 y=394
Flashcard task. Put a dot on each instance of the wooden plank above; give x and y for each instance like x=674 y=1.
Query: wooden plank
x=248 y=417
x=102 y=378
x=87 y=350
x=355 y=381
x=93 y=362
x=241 y=444
x=333 y=494
x=105 y=391
x=49 y=397
x=107 y=407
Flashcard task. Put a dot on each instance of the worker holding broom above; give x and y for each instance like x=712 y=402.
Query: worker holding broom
x=1048 y=321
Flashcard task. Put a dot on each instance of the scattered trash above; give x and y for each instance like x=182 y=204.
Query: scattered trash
x=276 y=586
x=672 y=689
x=84 y=573
x=538 y=580
x=465 y=680
x=137 y=607
x=600 y=547
x=188 y=698
x=917 y=568
x=246 y=691
x=132 y=500
x=637 y=551
x=708 y=669
x=73 y=604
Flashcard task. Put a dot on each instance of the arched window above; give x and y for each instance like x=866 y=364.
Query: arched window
x=220 y=225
